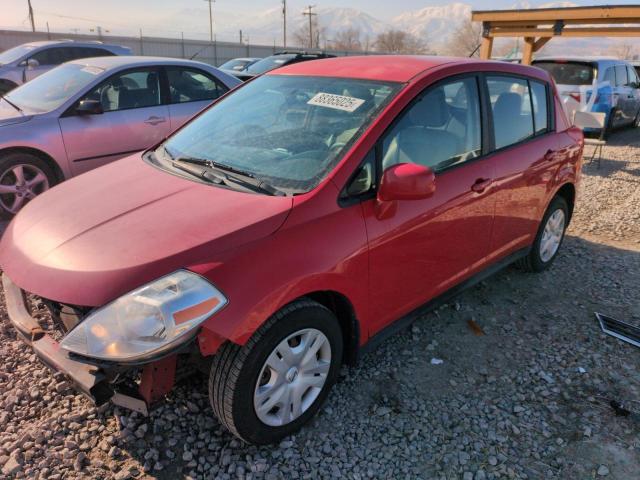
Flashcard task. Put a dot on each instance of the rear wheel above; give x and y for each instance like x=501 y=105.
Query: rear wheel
x=271 y=386
x=610 y=123
x=23 y=176
x=549 y=237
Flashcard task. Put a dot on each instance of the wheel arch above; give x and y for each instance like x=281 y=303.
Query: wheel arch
x=343 y=309
x=40 y=154
x=568 y=193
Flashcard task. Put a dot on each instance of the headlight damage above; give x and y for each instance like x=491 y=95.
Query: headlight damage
x=146 y=321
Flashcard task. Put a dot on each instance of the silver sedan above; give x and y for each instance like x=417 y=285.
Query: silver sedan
x=86 y=113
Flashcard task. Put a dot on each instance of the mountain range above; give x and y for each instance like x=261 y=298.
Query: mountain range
x=433 y=24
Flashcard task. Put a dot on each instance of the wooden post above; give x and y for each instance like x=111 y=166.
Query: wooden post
x=486 y=47
x=527 y=52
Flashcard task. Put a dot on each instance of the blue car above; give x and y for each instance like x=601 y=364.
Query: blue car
x=615 y=82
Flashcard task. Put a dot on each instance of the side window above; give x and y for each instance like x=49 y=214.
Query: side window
x=621 y=75
x=131 y=89
x=610 y=76
x=441 y=129
x=540 y=108
x=192 y=85
x=633 y=76
x=48 y=56
x=511 y=122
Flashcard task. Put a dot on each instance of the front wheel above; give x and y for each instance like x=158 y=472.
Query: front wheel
x=271 y=386
x=23 y=176
x=549 y=237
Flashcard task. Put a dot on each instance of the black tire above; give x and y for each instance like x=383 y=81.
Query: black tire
x=533 y=261
x=235 y=370
x=17 y=158
x=610 y=127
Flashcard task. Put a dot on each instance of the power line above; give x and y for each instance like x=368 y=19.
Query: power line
x=310 y=14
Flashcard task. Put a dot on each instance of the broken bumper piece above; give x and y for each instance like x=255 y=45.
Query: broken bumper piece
x=89 y=379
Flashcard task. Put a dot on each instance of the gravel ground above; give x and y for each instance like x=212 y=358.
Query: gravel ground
x=529 y=398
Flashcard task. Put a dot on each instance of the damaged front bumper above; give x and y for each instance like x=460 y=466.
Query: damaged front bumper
x=94 y=381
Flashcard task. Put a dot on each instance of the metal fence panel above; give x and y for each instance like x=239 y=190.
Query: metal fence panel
x=215 y=53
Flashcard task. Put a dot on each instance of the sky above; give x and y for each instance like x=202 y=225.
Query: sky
x=154 y=16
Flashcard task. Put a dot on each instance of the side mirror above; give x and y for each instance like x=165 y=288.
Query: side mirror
x=406 y=181
x=89 y=107
x=32 y=63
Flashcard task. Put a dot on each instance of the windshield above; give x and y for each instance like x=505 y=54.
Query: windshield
x=53 y=88
x=269 y=63
x=569 y=73
x=237 y=65
x=15 y=53
x=289 y=131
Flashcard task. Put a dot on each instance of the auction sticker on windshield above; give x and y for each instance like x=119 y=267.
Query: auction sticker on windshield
x=339 y=102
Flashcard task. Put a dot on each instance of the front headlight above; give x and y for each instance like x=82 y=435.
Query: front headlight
x=148 y=320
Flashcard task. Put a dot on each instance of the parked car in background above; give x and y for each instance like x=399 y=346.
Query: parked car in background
x=615 y=83
x=25 y=62
x=292 y=223
x=237 y=65
x=276 y=61
x=89 y=112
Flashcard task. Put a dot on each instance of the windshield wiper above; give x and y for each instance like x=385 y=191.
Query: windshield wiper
x=11 y=103
x=214 y=174
x=238 y=175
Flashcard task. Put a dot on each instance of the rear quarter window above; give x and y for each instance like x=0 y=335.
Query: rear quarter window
x=569 y=73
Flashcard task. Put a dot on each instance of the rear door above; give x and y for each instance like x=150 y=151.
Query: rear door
x=189 y=91
x=421 y=248
x=525 y=158
x=134 y=118
x=624 y=95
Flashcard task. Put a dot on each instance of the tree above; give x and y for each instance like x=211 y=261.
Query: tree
x=398 y=41
x=465 y=39
x=624 y=51
x=348 y=39
x=301 y=35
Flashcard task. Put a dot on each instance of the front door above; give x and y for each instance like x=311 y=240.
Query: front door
x=190 y=90
x=134 y=119
x=421 y=248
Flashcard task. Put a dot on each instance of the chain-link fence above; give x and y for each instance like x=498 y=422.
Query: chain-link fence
x=215 y=53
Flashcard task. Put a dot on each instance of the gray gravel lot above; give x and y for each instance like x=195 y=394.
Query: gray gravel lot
x=528 y=399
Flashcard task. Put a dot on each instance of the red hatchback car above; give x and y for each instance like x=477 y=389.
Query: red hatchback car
x=290 y=224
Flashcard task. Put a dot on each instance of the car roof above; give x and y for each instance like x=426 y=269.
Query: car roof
x=134 y=61
x=390 y=68
x=91 y=43
x=590 y=59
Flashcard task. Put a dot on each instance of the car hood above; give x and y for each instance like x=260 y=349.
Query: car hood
x=10 y=116
x=104 y=233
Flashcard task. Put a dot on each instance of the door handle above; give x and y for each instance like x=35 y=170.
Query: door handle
x=481 y=185
x=153 y=120
x=550 y=155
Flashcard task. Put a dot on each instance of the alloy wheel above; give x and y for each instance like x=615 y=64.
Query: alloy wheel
x=552 y=235
x=292 y=377
x=19 y=184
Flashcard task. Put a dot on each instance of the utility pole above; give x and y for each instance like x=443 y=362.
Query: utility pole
x=241 y=37
x=31 y=19
x=284 y=23
x=310 y=14
x=210 y=2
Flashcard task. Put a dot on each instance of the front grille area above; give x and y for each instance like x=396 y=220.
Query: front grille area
x=56 y=319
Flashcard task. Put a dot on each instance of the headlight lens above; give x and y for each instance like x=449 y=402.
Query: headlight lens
x=149 y=319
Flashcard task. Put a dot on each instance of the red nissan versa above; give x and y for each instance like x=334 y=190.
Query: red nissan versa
x=290 y=224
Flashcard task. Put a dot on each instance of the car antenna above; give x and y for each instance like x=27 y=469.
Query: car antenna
x=198 y=52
